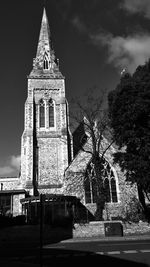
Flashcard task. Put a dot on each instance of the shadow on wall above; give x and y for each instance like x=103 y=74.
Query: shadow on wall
x=82 y=214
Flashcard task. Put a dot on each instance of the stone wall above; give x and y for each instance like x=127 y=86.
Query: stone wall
x=74 y=183
x=52 y=160
x=97 y=229
x=44 y=149
x=9 y=183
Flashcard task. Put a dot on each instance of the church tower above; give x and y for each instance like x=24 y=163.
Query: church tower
x=46 y=144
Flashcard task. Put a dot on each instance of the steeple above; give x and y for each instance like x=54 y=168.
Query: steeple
x=46 y=144
x=45 y=63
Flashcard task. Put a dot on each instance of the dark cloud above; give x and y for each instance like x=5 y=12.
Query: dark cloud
x=89 y=15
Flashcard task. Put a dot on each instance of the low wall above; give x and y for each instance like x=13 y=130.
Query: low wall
x=97 y=229
x=136 y=228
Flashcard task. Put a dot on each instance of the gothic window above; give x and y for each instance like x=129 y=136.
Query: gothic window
x=109 y=181
x=51 y=113
x=46 y=62
x=42 y=114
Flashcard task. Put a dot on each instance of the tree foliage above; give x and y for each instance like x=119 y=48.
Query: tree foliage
x=129 y=113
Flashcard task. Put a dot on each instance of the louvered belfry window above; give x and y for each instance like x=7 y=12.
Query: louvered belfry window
x=51 y=113
x=42 y=114
x=46 y=62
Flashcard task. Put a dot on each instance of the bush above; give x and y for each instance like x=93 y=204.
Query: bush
x=6 y=221
x=19 y=220
x=132 y=211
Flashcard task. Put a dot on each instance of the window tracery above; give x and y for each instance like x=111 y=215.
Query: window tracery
x=90 y=187
x=46 y=113
x=46 y=62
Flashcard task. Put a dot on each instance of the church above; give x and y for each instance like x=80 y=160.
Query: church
x=49 y=164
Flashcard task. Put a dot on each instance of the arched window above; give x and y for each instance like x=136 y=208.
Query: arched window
x=90 y=187
x=46 y=62
x=41 y=114
x=51 y=113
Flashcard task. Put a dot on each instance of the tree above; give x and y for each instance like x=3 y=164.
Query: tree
x=91 y=115
x=129 y=113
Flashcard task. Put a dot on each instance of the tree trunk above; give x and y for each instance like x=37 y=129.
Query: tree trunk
x=100 y=205
x=101 y=197
x=142 y=201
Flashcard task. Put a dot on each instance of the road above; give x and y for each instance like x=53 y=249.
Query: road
x=137 y=251
x=106 y=252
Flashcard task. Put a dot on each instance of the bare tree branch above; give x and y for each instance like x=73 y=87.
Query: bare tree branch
x=92 y=115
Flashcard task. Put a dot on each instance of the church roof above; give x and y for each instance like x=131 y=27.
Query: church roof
x=45 y=64
x=83 y=157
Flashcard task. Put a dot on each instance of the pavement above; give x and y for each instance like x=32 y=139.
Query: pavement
x=107 y=238
x=25 y=261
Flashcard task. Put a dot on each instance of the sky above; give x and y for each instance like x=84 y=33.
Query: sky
x=94 y=41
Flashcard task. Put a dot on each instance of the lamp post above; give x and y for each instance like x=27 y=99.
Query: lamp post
x=41 y=229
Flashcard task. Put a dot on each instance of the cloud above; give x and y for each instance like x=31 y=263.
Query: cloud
x=64 y=7
x=15 y=161
x=79 y=25
x=125 y=52
x=137 y=6
x=12 y=166
x=6 y=170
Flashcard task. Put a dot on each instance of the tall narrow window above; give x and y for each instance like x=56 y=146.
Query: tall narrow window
x=46 y=62
x=113 y=190
x=42 y=114
x=51 y=113
x=107 y=188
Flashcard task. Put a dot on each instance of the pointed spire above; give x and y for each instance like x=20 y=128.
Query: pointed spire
x=45 y=63
x=44 y=38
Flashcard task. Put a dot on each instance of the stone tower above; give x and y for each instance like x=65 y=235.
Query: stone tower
x=46 y=144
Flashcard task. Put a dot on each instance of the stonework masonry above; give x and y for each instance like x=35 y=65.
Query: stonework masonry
x=97 y=229
x=9 y=183
x=44 y=149
x=51 y=144
x=74 y=182
x=47 y=163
